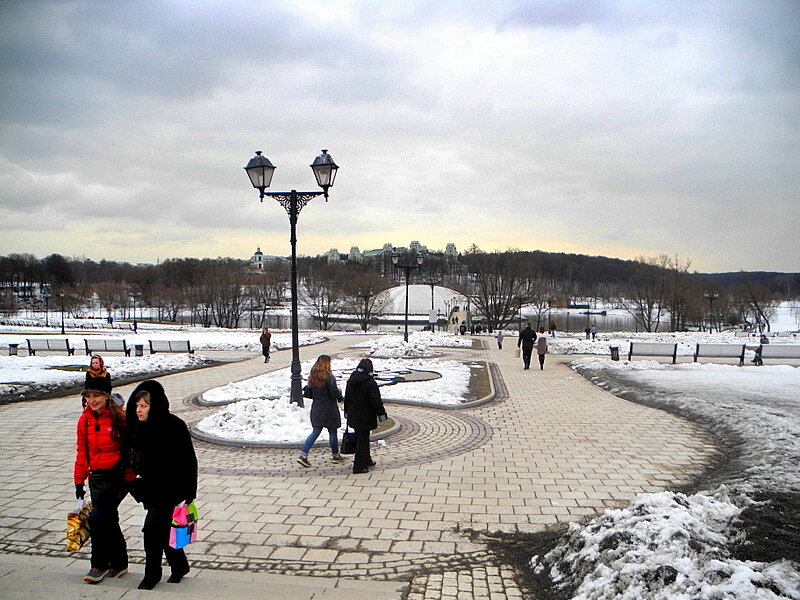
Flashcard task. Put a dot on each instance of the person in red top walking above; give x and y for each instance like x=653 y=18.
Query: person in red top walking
x=99 y=457
x=265 y=339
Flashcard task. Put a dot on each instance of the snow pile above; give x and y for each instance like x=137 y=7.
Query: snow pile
x=664 y=546
x=260 y=420
x=395 y=347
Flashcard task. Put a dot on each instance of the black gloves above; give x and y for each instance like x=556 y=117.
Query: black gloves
x=80 y=492
x=382 y=418
x=189 y=501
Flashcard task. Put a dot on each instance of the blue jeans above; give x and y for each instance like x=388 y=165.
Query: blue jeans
x=333 y=436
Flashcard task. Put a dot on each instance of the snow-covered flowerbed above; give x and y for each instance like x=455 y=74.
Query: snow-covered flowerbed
x=419 y=339
x=25 y=374
x=260 y=411
x=664 y=546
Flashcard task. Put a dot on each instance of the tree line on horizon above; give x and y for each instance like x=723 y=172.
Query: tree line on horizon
x=221 y=291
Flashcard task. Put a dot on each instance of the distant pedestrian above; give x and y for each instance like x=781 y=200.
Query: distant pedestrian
x=552 y=328
x=593 y=331
x=541 y=347
x=588 y=332
x=526 y=339
x=98 y=457
x=265 y=339
x=363 y=409
x=163 y=457
x=325 y=394
x=499 y=337
x=463 y=328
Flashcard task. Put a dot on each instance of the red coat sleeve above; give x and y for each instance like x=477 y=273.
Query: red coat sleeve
x=81 y=471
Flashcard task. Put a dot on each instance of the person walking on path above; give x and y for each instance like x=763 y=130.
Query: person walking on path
x=593 y=331
x=98 y=456
x=325 y=395
x=265 y=339
x=541 y=347
x=163 y=457
x=499 y=337
x=97 y=369
x=526 y=339
x=363 y=408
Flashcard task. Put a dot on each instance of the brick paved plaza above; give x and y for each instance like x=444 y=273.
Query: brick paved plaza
x=549 y=448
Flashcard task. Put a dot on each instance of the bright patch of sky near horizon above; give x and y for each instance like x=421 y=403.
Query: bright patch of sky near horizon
x=610 y=128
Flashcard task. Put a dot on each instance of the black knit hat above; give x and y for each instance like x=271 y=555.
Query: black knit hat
x=99 y=384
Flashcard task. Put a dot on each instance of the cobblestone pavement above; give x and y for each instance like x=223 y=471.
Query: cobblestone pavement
x=550 y=448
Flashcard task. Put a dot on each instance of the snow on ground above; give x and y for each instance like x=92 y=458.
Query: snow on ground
x=260 y=410
x=419 y=344
x=24 y=374
x=672 y=546
x=687 y=342
x=200 y=338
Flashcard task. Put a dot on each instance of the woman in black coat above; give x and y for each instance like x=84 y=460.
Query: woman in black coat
x=325 y=394
x=163 y=457
x=363 y=409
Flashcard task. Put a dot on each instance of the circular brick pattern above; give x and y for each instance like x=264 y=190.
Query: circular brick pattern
x=425 y=435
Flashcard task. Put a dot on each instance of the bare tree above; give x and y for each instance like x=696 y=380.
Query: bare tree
x=644 y=299
x=365 y=297
x=756 y=301
x=323 y=292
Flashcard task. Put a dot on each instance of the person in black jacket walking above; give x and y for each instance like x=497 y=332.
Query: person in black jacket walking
x=324 y=409
x=363 y=408
x=163 y=457
x=526 y=339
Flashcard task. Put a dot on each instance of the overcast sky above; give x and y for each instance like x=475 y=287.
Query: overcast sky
x=603 y=127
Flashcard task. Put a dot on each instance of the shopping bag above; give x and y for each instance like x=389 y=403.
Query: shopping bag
x=516 y=353
x=348 y=442
x=78 y=526
x=184 y=525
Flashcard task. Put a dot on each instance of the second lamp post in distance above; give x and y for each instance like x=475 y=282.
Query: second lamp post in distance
x=409 y=263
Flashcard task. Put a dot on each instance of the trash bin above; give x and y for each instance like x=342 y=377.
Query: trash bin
x=13 y=349
x=614 y=352
x=138 y=349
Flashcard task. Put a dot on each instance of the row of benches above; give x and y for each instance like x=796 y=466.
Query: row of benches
x=713 y=350
x=104 y=345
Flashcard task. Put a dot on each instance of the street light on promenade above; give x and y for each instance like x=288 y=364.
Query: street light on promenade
x=711 y=296
x=61 y=295
x=260 y=171
x=135 y=298
x=46 y=309
x=407 y=266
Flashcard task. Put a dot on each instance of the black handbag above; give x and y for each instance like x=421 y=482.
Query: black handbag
x=307 y=392
x=348 y=442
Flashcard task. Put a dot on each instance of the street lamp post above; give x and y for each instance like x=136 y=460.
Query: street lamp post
x=407 y=267
x=260 y=171
x=61 y=295
x=711 y=296
x=46 y=309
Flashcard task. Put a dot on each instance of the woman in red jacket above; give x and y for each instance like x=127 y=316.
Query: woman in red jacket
x=99 y=457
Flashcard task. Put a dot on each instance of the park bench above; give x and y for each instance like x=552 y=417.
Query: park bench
x=720 y=351
x=106 y=345
x=49 y=345
x=653 y=349
x=780 y=351
x=170 y=346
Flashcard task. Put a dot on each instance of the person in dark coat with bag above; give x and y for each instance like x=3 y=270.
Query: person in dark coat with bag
x=163 y=457
x=526 y=339
x=363 y=408
x=325 y=395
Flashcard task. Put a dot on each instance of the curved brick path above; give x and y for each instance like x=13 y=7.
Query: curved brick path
x=550 y=449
